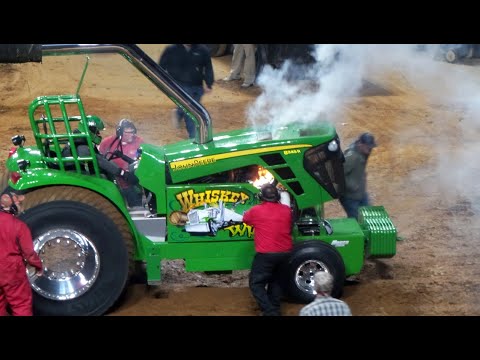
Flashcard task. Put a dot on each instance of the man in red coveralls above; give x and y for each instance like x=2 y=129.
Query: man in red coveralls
x=16 y=250
x=272 y=223
x=121 y=148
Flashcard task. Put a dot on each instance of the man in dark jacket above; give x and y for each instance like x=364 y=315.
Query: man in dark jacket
x=272 y=225
x=190 y=65
x=16 y=250
x=356 y=157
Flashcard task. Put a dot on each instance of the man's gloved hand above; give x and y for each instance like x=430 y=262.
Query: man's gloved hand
x=120 y=155
x=117 y=154
x=129 y=177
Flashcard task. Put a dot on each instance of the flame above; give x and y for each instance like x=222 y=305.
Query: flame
x=264 y=177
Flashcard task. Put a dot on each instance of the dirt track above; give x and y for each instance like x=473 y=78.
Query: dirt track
x=435 y=271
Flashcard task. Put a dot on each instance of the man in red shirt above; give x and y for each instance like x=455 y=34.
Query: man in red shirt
x=272 y=223
x=16 y=249
x=121 y=148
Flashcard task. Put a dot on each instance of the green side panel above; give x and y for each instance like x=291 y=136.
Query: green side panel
x=347 y=238
x=209 y=212
x=212 y=256
x=380 y=231
x=151 y=172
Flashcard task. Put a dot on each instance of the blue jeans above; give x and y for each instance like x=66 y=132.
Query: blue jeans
x=351 y=206
x=196 y=92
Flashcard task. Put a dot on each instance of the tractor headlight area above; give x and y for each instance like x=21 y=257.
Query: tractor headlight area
x=333 y=146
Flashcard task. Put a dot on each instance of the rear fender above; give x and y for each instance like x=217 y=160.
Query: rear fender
x=104 y=187
x=47 y=177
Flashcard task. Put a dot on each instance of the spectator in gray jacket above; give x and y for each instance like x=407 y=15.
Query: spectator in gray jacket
x=356 y=157
x=324 y=304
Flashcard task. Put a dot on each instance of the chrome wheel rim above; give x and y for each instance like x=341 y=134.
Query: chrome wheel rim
x=450 y=56
x=70 y=264
x=304 y=275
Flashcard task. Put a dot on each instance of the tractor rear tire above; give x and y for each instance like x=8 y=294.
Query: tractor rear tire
x=72 y=210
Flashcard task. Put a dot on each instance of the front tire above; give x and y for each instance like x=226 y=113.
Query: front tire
x=451 y=56
x=86 y=249
x=306 y=259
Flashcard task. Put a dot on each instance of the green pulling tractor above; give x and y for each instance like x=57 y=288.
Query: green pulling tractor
x=194 y=194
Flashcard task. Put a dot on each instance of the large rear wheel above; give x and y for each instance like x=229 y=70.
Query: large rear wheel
x=86 y=249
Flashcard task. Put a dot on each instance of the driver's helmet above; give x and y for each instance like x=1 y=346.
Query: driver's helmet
x=95 y=125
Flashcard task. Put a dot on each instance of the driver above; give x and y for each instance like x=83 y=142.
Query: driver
x=121 y=149
x=110 y=168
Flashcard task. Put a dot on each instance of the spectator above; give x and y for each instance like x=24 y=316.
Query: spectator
x=16 y=251
x=356 y=157
x=324 y=304
x=121 y=149
x=243 y=59
x=191 y=66
x=272 y=224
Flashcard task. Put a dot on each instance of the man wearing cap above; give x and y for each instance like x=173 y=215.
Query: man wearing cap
x=272 y=224
x=356 y=157
x=16 y=250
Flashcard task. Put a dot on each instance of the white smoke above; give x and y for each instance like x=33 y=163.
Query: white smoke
x=338 y=77
x=339 y=72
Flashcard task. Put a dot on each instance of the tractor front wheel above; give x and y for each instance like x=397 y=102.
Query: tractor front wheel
x=306 y=259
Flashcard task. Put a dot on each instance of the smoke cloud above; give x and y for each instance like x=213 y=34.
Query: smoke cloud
x=340 y=71
x=337 y=72
x=325 y=90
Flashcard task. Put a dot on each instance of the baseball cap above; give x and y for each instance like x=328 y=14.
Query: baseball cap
x=367 y=139
x=269 y=193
